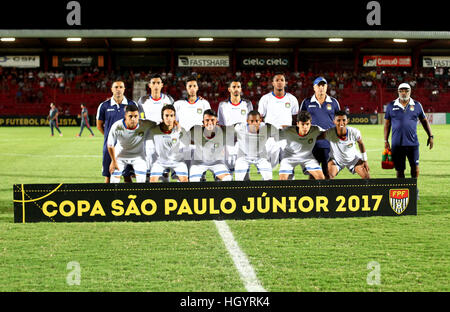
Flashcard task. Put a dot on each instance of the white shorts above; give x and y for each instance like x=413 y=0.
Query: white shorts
x=197 y=169
x=273 y=149
x=180 y=169
x=243 y=166
x=139 y=165
x=288 y=165
x=349 y=165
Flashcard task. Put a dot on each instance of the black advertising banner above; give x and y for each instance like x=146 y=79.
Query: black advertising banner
x=214 y=200
x=339 y=15
x=363 y=119
x=35 y=121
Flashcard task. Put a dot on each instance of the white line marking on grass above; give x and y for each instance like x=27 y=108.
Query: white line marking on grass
x=240 y=260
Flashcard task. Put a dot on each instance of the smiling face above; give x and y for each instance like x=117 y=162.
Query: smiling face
x=209 y=121
x=341 y=123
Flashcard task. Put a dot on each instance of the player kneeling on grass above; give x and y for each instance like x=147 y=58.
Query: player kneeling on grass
x=209 y=152
x=171 y=145
x=126 y=145
x=343 y=152
x=252 y=137
x=298 y=148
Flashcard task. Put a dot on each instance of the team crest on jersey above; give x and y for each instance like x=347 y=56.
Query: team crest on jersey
x=199 y=111
x=141 y=134
x=310 y=141
x=216 y=145
x=399 y=200
x=243 y=112
x=329 y=107
x=349 y=145
x=287 y=105
x=411 y=108
x=174 y=140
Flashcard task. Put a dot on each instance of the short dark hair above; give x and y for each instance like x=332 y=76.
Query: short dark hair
x=340 y=113
x=303 y=116
x=210 y=112
x=279 y=73
x=253 y=113
x=155 y=75
x=131 y=108
x=191 y=78
x=234 y=80
x=168 y=106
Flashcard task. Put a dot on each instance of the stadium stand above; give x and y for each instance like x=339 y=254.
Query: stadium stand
x=29 y=92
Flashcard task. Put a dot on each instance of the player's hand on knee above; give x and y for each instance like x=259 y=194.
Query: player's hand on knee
x=113 y=167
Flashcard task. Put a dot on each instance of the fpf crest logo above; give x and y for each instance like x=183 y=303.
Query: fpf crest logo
x=399 y=200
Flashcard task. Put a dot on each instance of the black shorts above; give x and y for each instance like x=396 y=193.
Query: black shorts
x=400 y=153
x=322 y=156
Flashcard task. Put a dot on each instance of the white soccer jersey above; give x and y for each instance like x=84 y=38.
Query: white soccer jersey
x=252 y=145
x=276 y=110
x=150 y=108
x=229 y=114
x=129 y=143
x=343 y=150
x=299 y=146
x=169 y=147
x=190 y=114
x=208 y=150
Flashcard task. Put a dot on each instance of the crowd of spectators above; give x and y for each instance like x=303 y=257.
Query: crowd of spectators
x=32 y=86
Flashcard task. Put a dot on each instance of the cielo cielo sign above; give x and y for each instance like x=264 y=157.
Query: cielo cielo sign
x=265 y=61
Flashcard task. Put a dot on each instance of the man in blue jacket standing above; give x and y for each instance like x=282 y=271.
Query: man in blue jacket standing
x=322 y=108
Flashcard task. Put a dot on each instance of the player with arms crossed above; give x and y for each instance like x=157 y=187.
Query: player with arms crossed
x=209 y=149
x=171 y=143
x=300 y=141
x=126 y=145
x=343 y=154
x=252 y=137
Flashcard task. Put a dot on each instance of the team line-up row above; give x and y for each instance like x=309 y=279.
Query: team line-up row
x=170 y=147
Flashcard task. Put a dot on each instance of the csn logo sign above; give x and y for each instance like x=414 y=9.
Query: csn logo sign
x=265 y=61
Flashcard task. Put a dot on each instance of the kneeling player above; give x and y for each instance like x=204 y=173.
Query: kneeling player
x=343 y=152
x=209 y=152
x=252 y=137
x=298 y=148
x=171 y=143
x=126 y=145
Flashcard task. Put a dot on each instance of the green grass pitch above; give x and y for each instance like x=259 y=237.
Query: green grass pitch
x=295 y=255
